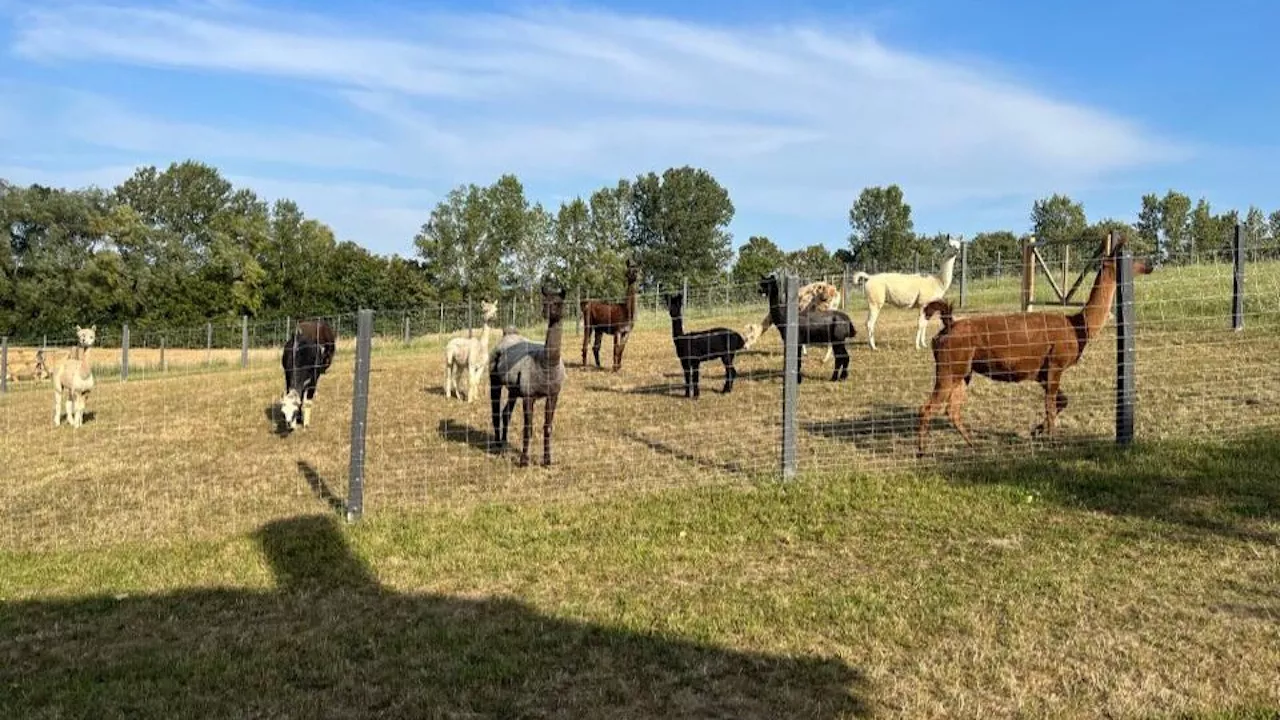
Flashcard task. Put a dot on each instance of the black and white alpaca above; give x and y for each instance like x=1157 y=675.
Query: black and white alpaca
x=528 y=371
x=306 y=357
x=700 y=345
x=815 y=327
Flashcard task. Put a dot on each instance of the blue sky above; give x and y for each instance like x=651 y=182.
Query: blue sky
x=367 y=117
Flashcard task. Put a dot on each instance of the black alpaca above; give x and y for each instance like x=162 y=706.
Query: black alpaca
x=819 y=327
x=695 y=347
x=306 y=357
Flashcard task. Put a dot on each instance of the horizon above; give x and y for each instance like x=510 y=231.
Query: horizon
x=367 y=119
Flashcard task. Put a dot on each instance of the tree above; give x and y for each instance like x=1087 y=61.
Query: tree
x=882 y=228
x=678 y=226
x=1204 y=230
x=811 y=262
x=459 y=247
x=987 y=249
x=1150 y=218
x=530 y=259
x=1057 y=218
x=1255 y=229
x=757 y=258
x=1175 y=222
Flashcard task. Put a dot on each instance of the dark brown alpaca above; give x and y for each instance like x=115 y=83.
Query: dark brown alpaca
x=1015 y=347
x=615 y=319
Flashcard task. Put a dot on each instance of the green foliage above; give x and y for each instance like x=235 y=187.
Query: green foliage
x=1057 y=218
x=757 y=258
x=812 y=262
x=987 y=249
x=883 y=231
x=678 y=226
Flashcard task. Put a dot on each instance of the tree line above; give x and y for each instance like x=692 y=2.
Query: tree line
x=180 y=246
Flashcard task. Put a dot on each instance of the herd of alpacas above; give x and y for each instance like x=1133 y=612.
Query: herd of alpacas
x=1008 y=347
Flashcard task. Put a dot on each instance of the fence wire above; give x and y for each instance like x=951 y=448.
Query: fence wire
x=190 y=446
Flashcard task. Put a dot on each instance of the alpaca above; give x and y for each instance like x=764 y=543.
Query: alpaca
x=905 y=290
x=695 y=347
x=1015 y=347
x=306 y=356
x=615 y=319
x=529 y=371
x=20 y=368
x=816 y=327
x=816 y=296
x=468 y=356
x=74 y=378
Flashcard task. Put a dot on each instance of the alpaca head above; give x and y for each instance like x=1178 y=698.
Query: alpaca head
x=85 y=337
x=489 y=310
x=769 y=284
x=291 y=408
x=633 y=271
x=553 y=303
x=675 y=304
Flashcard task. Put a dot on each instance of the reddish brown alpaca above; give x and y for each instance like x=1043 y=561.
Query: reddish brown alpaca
x=599 y=318
x=1015 y=347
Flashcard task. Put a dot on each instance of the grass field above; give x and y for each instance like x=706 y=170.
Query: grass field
x=176 y=557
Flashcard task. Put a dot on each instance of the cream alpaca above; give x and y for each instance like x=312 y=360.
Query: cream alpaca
x=468 y=357
x=74 y=378
x=814 y=297
x=906 y=290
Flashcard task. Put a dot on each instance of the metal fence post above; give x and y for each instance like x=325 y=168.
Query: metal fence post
x=964 y=273
x=359 y=416
x=790 y=375
x=1126 y=351
x=124 y=353
x=844 y=287
x=4 y=364
x=1237 y=281
x=917 y=262
x=442 y=319
x=999 y=266
x=208 y=343
x=406 y=328
x=684 y=291
x=577 y=317
x=244 y=341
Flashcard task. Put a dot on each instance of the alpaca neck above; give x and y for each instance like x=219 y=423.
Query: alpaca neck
x=1101 y=296
x=948 y=271
x=631 y=301
x=554 y=332
x=484 y=335
x=81 y=355
x=677 y=325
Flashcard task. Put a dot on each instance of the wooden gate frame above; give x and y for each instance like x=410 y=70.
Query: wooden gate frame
x=1031 y=256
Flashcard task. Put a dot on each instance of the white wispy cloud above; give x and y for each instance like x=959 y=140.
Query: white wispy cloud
x=794 y=119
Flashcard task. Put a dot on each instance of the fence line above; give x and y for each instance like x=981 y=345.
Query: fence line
x=1179 y=371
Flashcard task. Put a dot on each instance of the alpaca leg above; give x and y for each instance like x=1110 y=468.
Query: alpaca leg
x=506 y=419
x=941 y=392
x=71 y=410
x=619 y=345
x=688 y=377
x=586 y=340
x=827 y=357
x=873 y=313
x=448 y=379
x=841 y=370
x=799 y=373
x=495 y=411
x=697 y=370
x=730 y=374
x=526 y=432
x=954 y=404
x=922 y=325
x=547 y=422
x=595 y=346
x=306 y=414
x=1052 y=379
x=80 y=410
x=57 y=405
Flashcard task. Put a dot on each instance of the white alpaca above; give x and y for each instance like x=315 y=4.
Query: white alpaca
x=468 y=357
x=74 y=377
x=905 y=290
x=814 y=297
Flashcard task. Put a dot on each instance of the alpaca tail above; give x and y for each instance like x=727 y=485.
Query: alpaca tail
x=859 y=278
x=940 y=306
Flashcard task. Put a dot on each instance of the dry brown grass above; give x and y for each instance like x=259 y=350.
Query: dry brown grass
x=1019 y=579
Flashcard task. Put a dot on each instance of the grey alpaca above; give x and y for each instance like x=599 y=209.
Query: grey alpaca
x=528 y=371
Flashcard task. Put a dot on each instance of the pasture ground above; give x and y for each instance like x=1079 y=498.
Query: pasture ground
x=175 y=557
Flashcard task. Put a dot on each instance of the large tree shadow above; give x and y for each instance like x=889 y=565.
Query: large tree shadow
x=329 y=641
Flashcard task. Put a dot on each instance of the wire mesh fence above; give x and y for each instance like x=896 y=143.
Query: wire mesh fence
x=189 y=442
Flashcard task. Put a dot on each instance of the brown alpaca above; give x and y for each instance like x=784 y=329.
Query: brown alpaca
x=616 y=319
x=1015 y=347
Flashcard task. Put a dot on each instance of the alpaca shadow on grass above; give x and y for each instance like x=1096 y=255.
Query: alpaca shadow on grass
x=321 y=489
x=464 y=434
x=882 y=430
x=662 y=448
x=675 y=386
x=328 y=640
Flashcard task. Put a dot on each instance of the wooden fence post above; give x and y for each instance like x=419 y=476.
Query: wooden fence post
x=1126 y=351
x=244 y=341
x=124 y=353
x=4 y=364
x=164 y=365
x=964 y=273
x=1028 y=272
x=208 y=344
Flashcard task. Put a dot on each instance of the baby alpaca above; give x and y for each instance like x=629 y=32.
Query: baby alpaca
x=468 y=358
x=74 y=377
